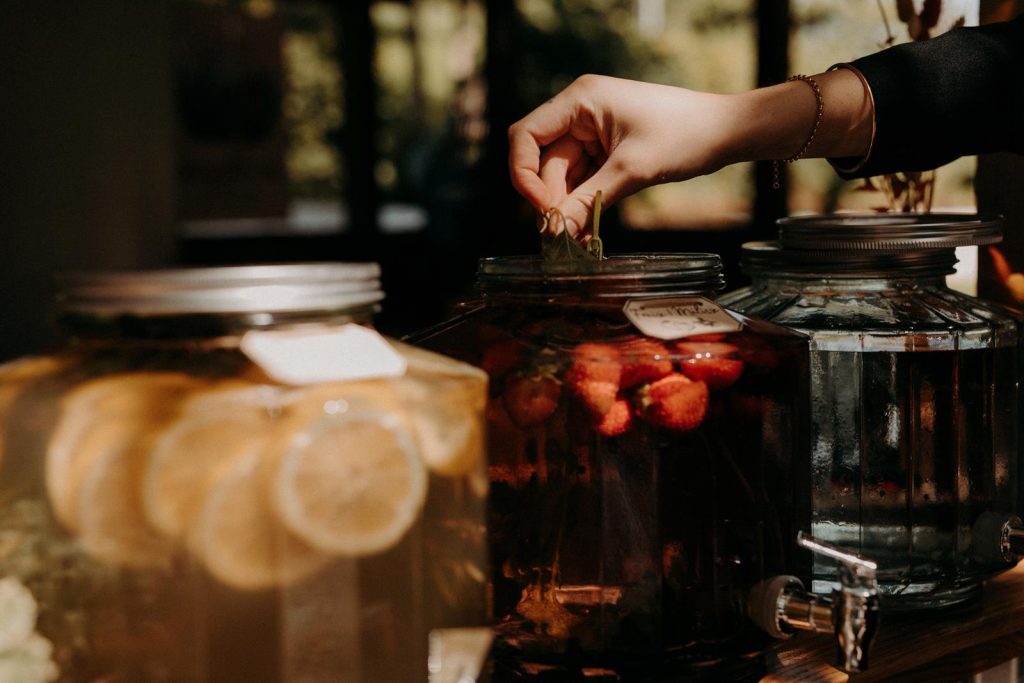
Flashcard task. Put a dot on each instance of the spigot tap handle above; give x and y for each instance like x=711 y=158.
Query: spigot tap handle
x=854 y=603
x=834 y=552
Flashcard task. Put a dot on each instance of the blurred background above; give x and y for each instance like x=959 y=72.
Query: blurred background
x=199 y=132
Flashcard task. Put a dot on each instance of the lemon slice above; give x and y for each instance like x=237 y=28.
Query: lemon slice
x=430 y=363
x=441 y=399
x=239 y=540
x=112 y=527
x=15 y=378
x=334 y=398
x=351 y=484
x=447 y=418
x=445 y=400
x=102 y=415
x=214 y=429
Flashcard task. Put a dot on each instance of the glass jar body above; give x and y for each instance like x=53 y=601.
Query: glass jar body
x=624 y=535
x=169 y=506
x=914 y=423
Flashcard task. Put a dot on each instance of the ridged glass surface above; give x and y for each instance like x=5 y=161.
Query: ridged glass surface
x=914 y=412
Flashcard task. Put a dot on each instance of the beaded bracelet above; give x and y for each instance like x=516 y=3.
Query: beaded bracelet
x=817 y=122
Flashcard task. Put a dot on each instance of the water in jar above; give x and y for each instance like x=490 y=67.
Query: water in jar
x=906 y=459
x=629 y=541
x=176 y=516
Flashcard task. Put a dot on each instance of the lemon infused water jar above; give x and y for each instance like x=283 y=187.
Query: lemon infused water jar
x=914 y=396
x=227 y=475
x=645 y=462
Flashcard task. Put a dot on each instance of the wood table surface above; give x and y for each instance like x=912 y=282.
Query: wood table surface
x=938 y=648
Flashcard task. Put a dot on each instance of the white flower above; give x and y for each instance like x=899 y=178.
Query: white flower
x=25 y=656
x=29 y=663
x=17 y=614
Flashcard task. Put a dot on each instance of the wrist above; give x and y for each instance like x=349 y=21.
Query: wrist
x=770 y=123
x=775 y=122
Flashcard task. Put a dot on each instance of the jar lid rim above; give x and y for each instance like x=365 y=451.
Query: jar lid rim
x=881 y=231
x=613 y=278
x=613 y=264
x=773 y=257
x=273 y=288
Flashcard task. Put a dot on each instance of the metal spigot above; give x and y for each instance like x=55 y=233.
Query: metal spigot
x=780 y=605
x=997 y=538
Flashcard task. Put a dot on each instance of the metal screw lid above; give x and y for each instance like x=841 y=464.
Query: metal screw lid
x=617 y=276
x=230 y=289
x=889 y=232
x=771 y=258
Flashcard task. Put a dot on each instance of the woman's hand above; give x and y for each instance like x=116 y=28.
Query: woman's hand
x=617 y=136
x=620 y=136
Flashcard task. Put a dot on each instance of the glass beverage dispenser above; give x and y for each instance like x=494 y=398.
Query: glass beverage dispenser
x=914 y=397
x=227 y=475
x=647 y=463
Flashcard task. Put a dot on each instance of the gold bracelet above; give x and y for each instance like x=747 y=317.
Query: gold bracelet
x=858 y=163
x=817 y=122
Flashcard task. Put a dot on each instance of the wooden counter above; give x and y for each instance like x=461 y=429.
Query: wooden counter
x=932 y=649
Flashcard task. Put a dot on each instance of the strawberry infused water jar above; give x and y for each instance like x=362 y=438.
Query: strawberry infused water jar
x=227 y=475
x=645 y=463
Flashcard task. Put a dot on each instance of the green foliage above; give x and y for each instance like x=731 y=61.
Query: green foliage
x=564 y=39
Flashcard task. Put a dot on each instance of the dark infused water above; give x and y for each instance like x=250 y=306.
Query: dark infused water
x=910 y=448
x=625 y=538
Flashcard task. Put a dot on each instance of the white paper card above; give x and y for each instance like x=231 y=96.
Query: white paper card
x=323 y=354
x=681 y=316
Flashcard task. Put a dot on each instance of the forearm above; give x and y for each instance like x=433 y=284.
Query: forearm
x=775 y=122
x=920 y=105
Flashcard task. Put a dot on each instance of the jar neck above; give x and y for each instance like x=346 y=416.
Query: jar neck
x=220 y=329
x=833 y=282
x=607 y=283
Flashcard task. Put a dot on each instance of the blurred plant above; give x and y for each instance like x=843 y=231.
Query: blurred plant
x=568 y=38
x=925 y=23
x=909 y=191
x=312 y=104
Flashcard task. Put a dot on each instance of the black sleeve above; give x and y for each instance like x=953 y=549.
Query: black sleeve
x=959 y=94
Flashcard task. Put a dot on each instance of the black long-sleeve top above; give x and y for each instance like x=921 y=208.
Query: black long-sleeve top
x=959 y=94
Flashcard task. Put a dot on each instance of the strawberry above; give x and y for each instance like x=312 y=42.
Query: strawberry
x=674 y=402
x=501 y=358
x=498 y=420
x=617 y=420
x=757 y=352
x=888 y=487
x=514 y=476
x=710 y=362
x=643 y=360
x=530 y=401
x=710 y=337
x=595 y=375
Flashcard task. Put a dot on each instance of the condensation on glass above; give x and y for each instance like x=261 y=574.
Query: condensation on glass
x=641 y=481
x=226 y=475
x=914 y=395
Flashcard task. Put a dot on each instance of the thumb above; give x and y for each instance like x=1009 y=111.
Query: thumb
x=611 y=180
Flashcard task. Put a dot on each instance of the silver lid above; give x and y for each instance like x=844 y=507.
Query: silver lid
x=771 y=259
x=618 y=275
x=230 y=289
x=888 y=232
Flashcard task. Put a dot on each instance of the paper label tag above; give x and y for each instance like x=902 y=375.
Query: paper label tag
x=680 y=316
x=323 y=354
